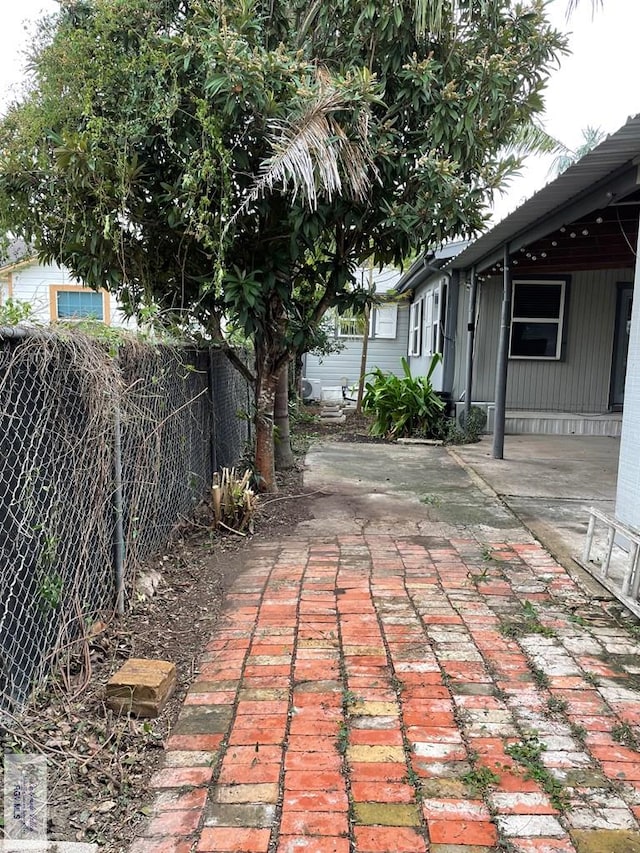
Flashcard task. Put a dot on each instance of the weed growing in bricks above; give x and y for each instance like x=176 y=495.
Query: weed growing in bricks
x=349 y=698
x=578 y=732
x=412 y=778
x=625 y=735
x=526 y=623
x=557 y=705
x=592 y=678
x=480 y=780
x=528 y=753
x=342 y=740
x=479 y=577
x=540 y=677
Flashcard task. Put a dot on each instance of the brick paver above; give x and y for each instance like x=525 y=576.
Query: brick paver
x=371 y=693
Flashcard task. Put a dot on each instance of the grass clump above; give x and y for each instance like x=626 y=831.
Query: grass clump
x=526 y=623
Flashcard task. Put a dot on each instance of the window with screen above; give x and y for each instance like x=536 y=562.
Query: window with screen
x=79 y=305
x=537 y=319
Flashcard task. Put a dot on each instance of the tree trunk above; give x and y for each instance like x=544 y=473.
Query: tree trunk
x=265 y=459
x=363 y=359
x=296 y=379
x=282 y=438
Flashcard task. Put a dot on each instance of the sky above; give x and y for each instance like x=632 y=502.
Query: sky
x=596 y=85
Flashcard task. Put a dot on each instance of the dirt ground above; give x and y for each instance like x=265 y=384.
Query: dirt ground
x=98 y=763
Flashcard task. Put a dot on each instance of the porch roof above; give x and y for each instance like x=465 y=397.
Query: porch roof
x=601 y=189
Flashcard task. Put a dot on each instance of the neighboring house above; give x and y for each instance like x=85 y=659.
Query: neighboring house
x=540 y=311
x=433 y=306
x=387 y=344
x=52 y=292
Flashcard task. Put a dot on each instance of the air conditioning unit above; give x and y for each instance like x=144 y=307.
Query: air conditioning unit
x=488 y=408
x=311 y=390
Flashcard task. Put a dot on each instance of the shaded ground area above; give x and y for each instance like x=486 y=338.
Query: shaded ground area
x=407 y=671
x=99 y=764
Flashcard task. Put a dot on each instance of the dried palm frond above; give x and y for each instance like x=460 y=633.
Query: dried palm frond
x=314 y=154
x=435 y=16
x=530 y=138
x=233 y=501
x=572 y=5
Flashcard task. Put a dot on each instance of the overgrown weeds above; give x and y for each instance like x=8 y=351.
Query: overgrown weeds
x=528 y=752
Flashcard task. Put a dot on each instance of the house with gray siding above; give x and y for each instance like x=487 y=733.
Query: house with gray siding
x=541 y=326
x=387 y=334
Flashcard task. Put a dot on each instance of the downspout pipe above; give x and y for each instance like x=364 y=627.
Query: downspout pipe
x=502 y=362
x=450 y=323
x=471 y=333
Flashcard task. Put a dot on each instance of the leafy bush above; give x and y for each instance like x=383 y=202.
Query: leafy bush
x=452 y=432
x=14 y=311
x=402 y=406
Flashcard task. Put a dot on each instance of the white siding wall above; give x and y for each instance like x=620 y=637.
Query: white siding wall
x=32 y=284
x=628 y=494
x=419 y=364
x=579 y=383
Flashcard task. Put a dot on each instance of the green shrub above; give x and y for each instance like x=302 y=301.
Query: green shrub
x=14 y=311
x=402 y=406
x=452 y=432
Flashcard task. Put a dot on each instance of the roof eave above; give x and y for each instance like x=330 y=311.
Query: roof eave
x=16 y=265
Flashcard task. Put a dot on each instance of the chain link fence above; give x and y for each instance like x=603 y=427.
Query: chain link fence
x=100 y=456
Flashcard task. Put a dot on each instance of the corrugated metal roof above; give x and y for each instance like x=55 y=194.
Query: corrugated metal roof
x=610 y=157
x=428 y=264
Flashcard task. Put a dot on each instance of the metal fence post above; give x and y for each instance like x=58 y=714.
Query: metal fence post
x=213 y=436
x=118 y=537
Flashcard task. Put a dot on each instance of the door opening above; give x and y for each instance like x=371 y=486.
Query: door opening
x=621 y=345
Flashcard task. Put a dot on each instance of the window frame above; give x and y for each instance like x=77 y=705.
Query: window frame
x=55 y=289
x=416 y=313
x=391 y=310
x=560 y=321
x=350 y=317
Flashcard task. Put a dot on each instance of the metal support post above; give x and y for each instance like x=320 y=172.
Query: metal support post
x=502 y=362
x=471 y=332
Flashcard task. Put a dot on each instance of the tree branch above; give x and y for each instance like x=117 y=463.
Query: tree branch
x=237 y=362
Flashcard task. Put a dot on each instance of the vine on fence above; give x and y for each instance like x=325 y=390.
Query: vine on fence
x=59 y=395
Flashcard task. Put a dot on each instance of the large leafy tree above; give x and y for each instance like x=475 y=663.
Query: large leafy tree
x=233 y=160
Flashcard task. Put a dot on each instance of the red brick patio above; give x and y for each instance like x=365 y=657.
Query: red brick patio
x=375 y=694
